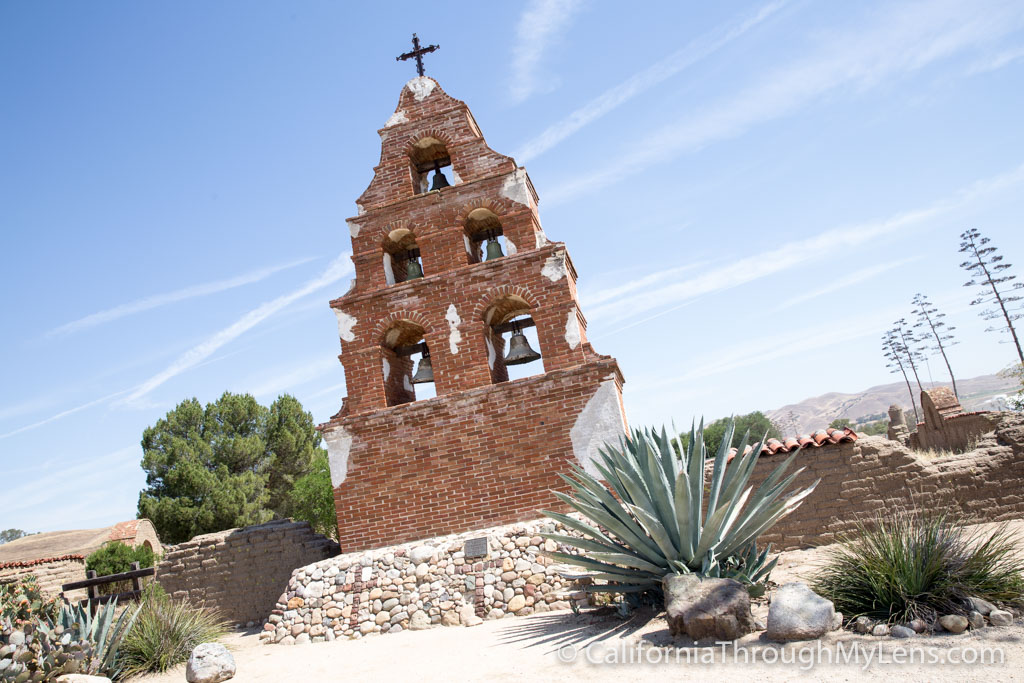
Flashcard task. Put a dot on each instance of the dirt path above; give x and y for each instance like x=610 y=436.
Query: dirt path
x=639 y=649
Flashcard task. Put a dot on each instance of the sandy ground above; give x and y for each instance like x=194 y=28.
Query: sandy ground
x=567 y=647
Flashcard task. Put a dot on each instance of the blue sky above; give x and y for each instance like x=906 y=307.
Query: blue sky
x=751 y=193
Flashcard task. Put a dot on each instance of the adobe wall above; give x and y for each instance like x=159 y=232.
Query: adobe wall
x=476 y=459
x=50 y=574
x=239 y=572
x=874 y=474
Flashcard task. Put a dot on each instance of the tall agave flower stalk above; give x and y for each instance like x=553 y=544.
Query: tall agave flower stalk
x=646 y=518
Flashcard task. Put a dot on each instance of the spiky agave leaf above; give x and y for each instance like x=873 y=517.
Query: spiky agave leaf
x=647 y=517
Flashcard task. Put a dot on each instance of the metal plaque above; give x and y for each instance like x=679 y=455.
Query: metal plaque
x=476 y=547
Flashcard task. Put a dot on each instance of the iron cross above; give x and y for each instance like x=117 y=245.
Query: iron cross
x=417 y=53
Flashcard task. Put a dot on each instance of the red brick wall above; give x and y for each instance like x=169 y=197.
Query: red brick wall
x=485 y=457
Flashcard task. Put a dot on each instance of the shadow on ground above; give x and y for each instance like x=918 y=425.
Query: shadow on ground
x=555 y=630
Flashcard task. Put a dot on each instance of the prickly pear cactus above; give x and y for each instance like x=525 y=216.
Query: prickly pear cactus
x=33 y=653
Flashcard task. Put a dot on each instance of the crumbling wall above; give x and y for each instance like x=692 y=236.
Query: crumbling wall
x=239 y=572
x=50 y=573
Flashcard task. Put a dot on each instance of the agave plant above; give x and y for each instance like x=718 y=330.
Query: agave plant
x=646 y=520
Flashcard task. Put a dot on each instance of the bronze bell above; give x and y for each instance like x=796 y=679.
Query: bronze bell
x=519 y=351
x=493 y=249
x=425 y=372
x=413 y=271
x=439 y=179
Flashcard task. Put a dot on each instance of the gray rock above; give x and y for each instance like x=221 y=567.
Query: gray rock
x=902 y=632
x=880 y=630
x=863 y=624
x=798 y=613
x=954 y=623
x=210 y=663
x=837 y=621
x=981 y=606
x=1000 y=617
x=919 y=625
x=422 y=553
x=975 y=619
x=707 y=608
x=419 y=621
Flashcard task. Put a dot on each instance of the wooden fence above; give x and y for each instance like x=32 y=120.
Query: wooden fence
x=93 y=582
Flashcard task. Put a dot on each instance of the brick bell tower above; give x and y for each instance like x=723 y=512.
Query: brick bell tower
x=430 y=281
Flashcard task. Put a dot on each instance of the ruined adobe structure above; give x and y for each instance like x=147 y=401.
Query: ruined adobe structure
x=485 y=451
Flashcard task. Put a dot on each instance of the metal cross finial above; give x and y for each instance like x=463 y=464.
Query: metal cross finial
x=417 y=53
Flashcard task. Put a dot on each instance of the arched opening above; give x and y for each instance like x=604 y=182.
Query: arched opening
x=428 y=158
x=405 y=364
x=401 y=257
x=511 y=340
x=485 y=238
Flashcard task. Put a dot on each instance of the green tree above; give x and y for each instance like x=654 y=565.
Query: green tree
x=214 y=468
x=840 y=423
x=11 y=535
x=312 y=498
x=873 y=428
x=117 y=557
x=757 y=422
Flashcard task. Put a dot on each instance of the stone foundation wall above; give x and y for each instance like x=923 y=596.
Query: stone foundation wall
x=239 y=572
x=874 y=474
x=422 y=584
x=50 y=574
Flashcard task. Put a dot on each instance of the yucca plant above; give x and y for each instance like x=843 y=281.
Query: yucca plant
x=647 y=516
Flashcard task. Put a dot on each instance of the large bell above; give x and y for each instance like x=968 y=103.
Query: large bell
x=493 y=249
x=425 y=372
x=413 y=270
x=439 y=179
x=519 y=351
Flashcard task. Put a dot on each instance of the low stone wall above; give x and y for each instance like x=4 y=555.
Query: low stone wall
x=239 y=572
x=414 y=586
x=50 y=574
x=875 y=474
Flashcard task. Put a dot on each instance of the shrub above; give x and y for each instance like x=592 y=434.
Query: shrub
x=909 y=565
x=313 y=498
x=21 y=601
x=116 y=557
x=166 y=632
x=646 y=521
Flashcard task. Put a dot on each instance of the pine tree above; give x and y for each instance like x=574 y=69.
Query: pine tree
x=892 y=352
x=988 y=273
x=929 y=318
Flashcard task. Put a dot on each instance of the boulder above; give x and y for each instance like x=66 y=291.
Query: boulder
x=422 y=553
x=902 y=632
x=210 y=663
x=707 y=608
x=975 y=619
x=1000 y=617
x=419 y=621
x=954 y=623
x=798 y=613
x=981 y=606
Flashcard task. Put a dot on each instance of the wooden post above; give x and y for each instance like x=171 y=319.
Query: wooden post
x=136 y=583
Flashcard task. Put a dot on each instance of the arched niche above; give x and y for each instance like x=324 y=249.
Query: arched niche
x=403 y=350
x=398 y=249
x=428 y=156
x=506 y=316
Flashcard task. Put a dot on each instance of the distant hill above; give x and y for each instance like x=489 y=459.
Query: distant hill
x=978 y=393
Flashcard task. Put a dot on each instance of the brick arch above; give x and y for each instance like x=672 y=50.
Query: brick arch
x=389 y=321
x=386 y=242
x=498 y=206
x=493 y=295
x=410 y=149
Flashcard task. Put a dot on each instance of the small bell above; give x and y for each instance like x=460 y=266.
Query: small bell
x=413 y=271
x=425 y=372
x=439 y=179
x=519 y=351
x=493 y=249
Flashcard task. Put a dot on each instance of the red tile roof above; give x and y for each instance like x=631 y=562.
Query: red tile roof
x=41 y=560
x=820 y=438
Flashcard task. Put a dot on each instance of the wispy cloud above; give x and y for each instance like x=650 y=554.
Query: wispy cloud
x=338 y=269
x=843 y=283
x=615 y=96
x=901 y=41
x=307 y=372
x=998 y=61
x=65 y=413
x=539 y=25
x=155 y=301
x=788 y=256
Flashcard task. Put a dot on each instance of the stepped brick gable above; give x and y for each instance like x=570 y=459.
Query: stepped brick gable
x=485 y=450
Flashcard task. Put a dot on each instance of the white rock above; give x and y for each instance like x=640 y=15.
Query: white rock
x=798 y=613
x=422 y=553
x=210 y=663
x=1000 y=617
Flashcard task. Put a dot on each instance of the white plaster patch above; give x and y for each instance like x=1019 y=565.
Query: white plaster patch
x=387 y=368
x=407 y=383
x=354 y=228
x=339 y=443
x=491 y=355
x=554 y=267
x=389 y=271
x=359 y=209
x=421 y=87
x=345 y=325
x=572 y=329
x=541 y=238
x=599 y=423
x=397 y=118
x=510 y=247
x=516 y=188
x=454 y=336
x=469 y=245
x=455 y=177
